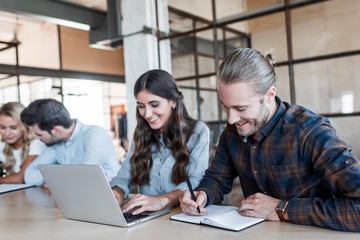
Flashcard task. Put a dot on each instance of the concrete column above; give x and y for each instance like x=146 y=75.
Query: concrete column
x=141 y=49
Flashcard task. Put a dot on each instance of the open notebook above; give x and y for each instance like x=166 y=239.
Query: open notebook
x=13 y=187
x=226 y=217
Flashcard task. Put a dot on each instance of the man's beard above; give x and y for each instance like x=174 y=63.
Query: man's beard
x=54 y=140
x=259 y=122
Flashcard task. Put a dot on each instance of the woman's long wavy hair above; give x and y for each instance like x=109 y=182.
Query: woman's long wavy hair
x=176 y=133
x=13 y=110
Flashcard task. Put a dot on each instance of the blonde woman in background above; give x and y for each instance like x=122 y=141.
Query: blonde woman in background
x=18 y=148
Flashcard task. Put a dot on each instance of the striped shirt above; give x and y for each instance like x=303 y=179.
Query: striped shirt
x=297 y=157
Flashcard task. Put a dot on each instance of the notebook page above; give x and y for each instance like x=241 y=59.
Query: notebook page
x=231 y=220
x=212 y=211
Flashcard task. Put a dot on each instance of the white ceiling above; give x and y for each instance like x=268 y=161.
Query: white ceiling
x=9 y=22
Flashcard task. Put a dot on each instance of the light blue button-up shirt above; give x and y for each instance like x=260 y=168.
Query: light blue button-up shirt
x=163 y=162
x=87 y=145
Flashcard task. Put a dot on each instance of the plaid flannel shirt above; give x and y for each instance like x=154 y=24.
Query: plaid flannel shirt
x=296 y=157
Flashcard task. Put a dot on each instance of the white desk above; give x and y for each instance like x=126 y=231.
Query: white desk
x=32 y=214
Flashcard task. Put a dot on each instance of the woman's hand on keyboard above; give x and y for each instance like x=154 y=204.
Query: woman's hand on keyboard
x=141 y=203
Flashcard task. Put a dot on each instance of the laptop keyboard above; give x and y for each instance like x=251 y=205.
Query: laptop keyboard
x=130 y=218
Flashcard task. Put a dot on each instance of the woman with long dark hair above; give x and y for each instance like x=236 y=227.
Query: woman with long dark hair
x=168 y=146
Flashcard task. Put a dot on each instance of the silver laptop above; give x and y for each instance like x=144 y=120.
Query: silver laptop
x=82 y=192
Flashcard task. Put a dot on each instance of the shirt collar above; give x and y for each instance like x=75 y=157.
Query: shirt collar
x=76 y=131
x=274 y=120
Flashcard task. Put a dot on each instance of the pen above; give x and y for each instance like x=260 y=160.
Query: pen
x=192 y=192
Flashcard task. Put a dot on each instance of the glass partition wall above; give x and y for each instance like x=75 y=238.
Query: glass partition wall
x=192 y=41
x=314 y=42
x=39 y=59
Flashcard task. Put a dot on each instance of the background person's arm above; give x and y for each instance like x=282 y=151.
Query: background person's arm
x=19 y=176
x=32 y=173
x=36 y=147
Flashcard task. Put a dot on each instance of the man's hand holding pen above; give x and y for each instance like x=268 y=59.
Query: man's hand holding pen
x=189 y=206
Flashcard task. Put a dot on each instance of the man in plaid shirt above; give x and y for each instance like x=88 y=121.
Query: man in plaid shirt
x=291 y=164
